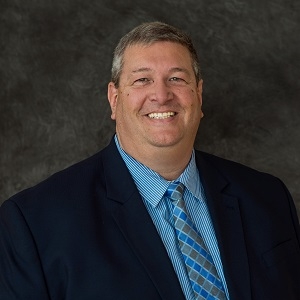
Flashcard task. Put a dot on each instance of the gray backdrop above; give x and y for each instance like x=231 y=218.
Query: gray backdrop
x=55 y=61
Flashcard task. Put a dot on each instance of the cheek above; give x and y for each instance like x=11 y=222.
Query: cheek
x=126 y=106
x=191 y=97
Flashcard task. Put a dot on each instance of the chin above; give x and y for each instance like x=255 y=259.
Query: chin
x=165 y=141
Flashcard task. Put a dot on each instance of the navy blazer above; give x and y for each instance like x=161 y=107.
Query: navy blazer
x=84 y=233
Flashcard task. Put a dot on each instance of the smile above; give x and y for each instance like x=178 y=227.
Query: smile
x=163 y=115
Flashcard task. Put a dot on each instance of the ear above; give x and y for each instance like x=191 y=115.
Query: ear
x=112 y=95
x=199 y=89
x=199 y=92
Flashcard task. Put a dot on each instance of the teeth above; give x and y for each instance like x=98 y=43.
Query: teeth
x=161 y=115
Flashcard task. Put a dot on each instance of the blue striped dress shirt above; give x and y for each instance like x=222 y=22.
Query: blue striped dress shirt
x=152 y=188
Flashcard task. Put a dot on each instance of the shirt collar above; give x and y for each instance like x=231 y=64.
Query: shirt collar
x=145 y=178
x=190 y=177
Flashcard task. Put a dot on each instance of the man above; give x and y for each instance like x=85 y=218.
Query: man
x=107 y=227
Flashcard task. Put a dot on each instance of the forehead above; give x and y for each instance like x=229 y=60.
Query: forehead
x=157 y=54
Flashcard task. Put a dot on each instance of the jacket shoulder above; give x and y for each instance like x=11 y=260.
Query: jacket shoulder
x=237 y=174
x=74 y=180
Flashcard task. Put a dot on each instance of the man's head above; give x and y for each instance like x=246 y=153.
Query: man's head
x=147 y=34
x=156 y=95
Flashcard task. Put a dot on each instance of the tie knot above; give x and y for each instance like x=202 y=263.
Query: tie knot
x=175 y=191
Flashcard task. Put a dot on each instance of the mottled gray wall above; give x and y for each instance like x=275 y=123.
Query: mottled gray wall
x=55 y=61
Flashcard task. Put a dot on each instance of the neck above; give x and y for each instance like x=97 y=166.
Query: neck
x=168 y=162
x=169 y=170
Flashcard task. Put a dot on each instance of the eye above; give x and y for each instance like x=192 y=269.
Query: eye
x=141 y=81
x=177 y=80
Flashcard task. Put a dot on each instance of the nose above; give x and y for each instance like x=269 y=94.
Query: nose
x=161 y=92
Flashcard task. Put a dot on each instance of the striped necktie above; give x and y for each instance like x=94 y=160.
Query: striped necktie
x=203 y=275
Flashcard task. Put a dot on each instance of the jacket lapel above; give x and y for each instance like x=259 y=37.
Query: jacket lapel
x=225 y=214
x=137 y=227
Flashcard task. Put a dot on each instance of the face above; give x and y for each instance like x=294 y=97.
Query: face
x=158 y=101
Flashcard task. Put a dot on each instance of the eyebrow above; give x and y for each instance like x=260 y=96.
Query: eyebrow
x=141 y=70
x=171 y=70
x=177 y=69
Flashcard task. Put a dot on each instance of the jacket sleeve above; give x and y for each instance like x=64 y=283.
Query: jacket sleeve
x=21 y=274
x=294 y=215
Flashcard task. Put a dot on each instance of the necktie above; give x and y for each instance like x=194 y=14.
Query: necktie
x=201 y=269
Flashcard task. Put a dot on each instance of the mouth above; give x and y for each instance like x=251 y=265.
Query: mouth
x=163 y=115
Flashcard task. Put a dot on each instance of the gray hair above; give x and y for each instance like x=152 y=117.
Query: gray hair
x=146 y=34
